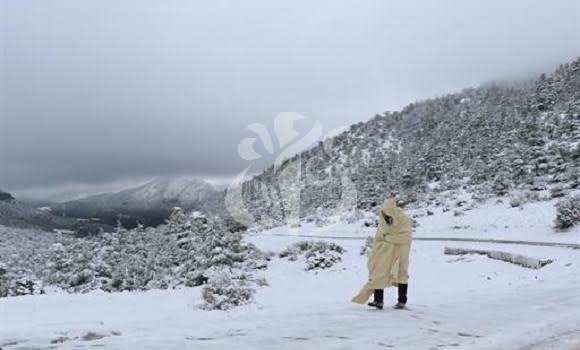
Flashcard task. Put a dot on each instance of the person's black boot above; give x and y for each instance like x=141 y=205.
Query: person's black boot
x=379 y=297
x=402 y=301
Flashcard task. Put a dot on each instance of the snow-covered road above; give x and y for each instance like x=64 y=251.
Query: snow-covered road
x=450 y=239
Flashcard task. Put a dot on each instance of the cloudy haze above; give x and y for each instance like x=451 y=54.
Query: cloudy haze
x=97 y=92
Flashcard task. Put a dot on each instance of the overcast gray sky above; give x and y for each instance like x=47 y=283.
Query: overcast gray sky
x=93 y=92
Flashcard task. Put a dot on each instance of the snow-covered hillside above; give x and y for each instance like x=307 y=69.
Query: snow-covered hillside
x=494 y=139
x=18 y=214
x=465 y=302
x=148 y=204
x=183 y=190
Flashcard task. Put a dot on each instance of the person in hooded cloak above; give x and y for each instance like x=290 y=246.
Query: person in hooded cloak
x=388 y=261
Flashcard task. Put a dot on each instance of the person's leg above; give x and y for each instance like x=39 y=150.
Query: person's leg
x=403 y=293
x=379 y=295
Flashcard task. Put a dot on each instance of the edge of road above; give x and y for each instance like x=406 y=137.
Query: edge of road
x=443 y=239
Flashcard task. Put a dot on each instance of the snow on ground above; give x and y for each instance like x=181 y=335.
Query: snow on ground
x=457 y=302
x=491 y=220
x=531 y=222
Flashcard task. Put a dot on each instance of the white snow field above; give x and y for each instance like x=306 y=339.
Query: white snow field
x=455 y=302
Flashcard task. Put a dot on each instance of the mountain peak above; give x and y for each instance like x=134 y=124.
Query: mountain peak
x=148 y=204
x=184 y=189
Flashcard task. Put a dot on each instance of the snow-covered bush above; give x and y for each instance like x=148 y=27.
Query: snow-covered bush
x=567 y=213
x=3 y=281
x=318 y=254
x=366 y=248
x=481 y=194
x=22 y=283
x=516 y=201
x=227 y=289
x=371 y=222
x=500 y=185
x=418 y=214
x=519 y=198
x=181 y=253
x=557 y=191
x=25 y=286
x=321 y=221
x=351 y=216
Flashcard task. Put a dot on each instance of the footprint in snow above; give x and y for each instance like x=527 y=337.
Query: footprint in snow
x=236 y=333
x=463 y=334
x=200 y=338
x=439 y=346
x=60 y=340
x=296 y=338
x=90 y=336
x=336 y=337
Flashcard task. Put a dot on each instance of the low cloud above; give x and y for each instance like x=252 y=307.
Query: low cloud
x=99 y=92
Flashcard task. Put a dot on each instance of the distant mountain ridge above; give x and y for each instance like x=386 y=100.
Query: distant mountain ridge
x=180 y=190
x=14 y=213
x=148 y=204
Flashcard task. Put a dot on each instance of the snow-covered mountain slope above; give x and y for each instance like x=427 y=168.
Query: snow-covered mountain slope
x=17 y=214
x=148 y=204
x=494 y=139
x=469 y=302
x=180 y=190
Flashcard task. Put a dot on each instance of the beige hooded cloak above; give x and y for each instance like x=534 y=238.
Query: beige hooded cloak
x=388 y=261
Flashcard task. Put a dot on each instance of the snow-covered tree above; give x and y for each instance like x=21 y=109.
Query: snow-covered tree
x=227 y=289
x=317 y=254
x=184 y=252
x=568 y=213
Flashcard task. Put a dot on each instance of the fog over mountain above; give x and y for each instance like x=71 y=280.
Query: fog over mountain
x=141 y=88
